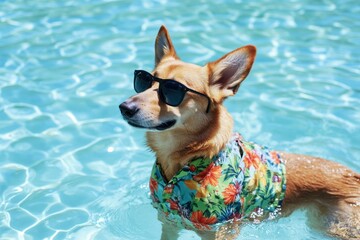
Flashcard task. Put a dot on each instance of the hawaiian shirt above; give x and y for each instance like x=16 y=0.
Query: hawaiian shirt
x=243 y=181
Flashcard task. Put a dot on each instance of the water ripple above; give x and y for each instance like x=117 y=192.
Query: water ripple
x=22 y=111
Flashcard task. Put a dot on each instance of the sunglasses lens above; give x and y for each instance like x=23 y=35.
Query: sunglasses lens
x=142 y=81
x=172 y=92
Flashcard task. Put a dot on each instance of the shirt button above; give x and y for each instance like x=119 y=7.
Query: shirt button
x=168 y=189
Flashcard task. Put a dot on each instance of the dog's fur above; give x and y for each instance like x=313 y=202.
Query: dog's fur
x=334 y=190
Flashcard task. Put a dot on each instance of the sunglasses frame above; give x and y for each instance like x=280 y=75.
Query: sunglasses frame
x=160 y=81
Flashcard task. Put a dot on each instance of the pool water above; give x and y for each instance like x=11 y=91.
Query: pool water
x=71 y=168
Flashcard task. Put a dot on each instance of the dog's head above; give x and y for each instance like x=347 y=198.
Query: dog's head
x=205 y=88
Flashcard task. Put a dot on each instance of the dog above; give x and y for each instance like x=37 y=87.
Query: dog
x=209 y=179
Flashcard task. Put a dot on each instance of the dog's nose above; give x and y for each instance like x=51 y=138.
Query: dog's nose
x=128 y=109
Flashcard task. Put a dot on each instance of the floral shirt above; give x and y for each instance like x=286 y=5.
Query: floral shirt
x=244 y=181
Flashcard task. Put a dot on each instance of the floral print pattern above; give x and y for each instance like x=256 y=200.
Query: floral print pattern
x=244 y=181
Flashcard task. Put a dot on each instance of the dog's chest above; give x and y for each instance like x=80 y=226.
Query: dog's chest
x=243 y=180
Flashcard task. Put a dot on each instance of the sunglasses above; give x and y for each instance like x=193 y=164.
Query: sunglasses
x=170 y=91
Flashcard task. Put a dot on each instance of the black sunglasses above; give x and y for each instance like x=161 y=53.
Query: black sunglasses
x=171 y=92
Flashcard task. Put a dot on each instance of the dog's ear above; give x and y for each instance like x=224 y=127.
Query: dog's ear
x=227 y=73
x=163 y=46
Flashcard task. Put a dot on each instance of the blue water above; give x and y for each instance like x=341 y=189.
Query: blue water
x=71 y=168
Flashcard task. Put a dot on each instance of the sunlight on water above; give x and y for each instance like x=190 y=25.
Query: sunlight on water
x=72 y=168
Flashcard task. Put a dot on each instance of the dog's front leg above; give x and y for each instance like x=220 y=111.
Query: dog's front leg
x=228 y=231
x=169 y=232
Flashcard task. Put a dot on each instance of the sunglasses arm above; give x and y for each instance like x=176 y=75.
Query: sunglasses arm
x=207 y=97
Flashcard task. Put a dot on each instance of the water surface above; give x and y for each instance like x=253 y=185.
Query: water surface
x=71 y=168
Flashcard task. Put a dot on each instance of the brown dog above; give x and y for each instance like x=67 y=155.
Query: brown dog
x=188 y=121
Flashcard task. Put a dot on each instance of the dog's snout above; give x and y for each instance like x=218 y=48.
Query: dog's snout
x=128 y=109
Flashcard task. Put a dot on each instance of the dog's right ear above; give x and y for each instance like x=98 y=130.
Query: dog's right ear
x=227 y=73
x=164 y=46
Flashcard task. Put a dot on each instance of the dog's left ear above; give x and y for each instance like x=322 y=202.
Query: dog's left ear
x=164 y=46
x=227 y=73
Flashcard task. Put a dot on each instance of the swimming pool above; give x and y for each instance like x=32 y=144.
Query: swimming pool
x=71 y=168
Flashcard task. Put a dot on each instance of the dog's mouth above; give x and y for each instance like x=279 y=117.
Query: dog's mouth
x=163 y=126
